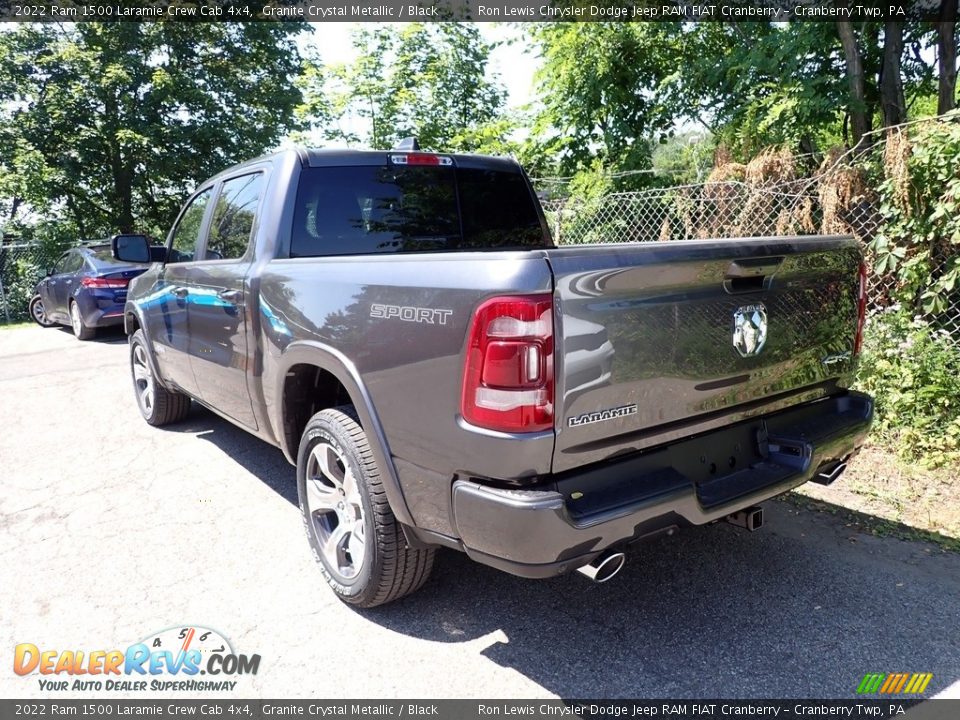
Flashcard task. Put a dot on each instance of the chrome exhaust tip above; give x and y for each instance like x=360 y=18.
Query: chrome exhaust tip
x=604 y=566
x=750 y=518
x=828 y=473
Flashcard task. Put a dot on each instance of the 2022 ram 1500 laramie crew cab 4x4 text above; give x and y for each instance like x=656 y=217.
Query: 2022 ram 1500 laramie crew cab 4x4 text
x=401 y=325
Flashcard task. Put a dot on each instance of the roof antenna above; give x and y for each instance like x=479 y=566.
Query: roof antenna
x=408 y=144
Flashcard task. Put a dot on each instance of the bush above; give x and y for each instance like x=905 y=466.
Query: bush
x=913 y=371
x=919 y=243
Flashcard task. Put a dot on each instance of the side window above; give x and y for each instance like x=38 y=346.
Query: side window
x=234 y=217
x=187 y=233
x=74 y=262
x=62 y=264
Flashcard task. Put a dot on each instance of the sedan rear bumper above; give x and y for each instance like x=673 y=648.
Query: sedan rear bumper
x=101 y=308
x=567 y=522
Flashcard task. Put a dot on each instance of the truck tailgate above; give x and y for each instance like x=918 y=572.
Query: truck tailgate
x=662 y=334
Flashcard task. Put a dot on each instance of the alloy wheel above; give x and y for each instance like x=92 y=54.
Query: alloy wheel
x=75 y=320
x=39 y=314
x=336 y=510
x=143 y=380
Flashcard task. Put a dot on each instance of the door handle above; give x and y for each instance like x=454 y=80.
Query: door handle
x=230 y=296
x=180 y=292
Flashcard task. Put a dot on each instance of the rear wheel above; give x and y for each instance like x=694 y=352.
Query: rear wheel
x=158 y=406
x=80 y=330
x=355 y=538
x=38 y=313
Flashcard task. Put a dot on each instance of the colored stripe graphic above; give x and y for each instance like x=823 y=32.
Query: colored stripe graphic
x=870 y=683
x=914 y=682
x=894 y=683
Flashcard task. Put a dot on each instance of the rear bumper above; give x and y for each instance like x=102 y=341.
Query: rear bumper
x=101 y=308
x=570 y=520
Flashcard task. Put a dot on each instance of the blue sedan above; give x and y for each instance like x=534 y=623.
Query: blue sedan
x=86 y=290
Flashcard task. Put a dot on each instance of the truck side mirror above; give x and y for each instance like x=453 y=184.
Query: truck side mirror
x=131 y=248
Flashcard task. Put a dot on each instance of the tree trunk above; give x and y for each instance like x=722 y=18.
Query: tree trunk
x=947 y=52
x=859 y=121
x=891 y=84
x=77 y=217
x=15 y=204
x=123 y=183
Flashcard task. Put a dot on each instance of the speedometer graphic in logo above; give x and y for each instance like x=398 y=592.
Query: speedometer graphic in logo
x=182 y=639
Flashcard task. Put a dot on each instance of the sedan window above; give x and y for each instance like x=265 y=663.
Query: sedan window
x=63 y=263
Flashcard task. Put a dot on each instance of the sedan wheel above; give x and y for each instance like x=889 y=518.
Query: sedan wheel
x=38 y=313
x=81 y=331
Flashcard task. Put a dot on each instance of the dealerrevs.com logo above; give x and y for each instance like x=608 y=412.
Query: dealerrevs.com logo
x=171 y=660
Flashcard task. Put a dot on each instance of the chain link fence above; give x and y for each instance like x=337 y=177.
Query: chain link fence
x=22 y=266
x=825 y=204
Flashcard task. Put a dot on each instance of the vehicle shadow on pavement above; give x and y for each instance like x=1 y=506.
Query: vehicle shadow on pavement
x=803 y=607
x=259 y=458
x=104 y=336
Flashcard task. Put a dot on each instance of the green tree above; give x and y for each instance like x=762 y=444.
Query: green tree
x=610 y=91
x=112 y=124
x=606 y=90
x=424 y=80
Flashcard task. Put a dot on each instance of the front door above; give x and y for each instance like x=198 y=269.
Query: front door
x=48 y=286
x=220 y=351
x=166 y=306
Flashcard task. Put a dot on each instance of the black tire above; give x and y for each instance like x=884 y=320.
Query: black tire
x=389 y=569
x=80 y=330
x=38 y=313
x=165 y=406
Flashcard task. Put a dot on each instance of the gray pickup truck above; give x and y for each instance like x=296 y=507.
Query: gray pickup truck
x=402 y=327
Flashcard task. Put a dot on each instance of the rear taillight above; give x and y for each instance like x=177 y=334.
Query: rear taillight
x=102 y=283
x=861 y=309
x=508 y=375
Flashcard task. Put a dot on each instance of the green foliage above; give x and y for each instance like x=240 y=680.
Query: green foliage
x=920 y=203
x=912 y=370
x=684 y=159
x=611 y=91
x=423 y=80
x=768 y=85
x=19 y=281
x=109 y=125
x=607 y=90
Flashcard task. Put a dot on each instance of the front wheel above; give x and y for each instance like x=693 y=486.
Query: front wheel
x=158 y=406
x=38 y=312
x=80 y=330
x=355 y=538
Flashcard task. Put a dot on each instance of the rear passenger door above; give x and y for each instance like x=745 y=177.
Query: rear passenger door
x=65 y=280
x=221 y=352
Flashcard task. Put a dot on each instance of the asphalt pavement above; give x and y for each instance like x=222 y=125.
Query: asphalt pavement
x=111 y=530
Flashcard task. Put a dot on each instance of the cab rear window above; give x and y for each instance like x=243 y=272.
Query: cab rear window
x=364 y=210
